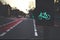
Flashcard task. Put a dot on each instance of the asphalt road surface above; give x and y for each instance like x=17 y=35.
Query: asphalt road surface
x=24 y=30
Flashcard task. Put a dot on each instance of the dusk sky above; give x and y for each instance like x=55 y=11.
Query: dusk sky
x=22 y=5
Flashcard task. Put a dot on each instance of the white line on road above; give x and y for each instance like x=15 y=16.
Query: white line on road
x=13 y=26
x=3 y=34
x=10 y=29
x=35 y=30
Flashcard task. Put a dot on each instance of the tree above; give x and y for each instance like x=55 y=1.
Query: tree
x=5 y=10
x=14 y=12
x=1 y=8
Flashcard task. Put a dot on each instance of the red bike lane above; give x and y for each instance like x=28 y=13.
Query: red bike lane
x=11 y=25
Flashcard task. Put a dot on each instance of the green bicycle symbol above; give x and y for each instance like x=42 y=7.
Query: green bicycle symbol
x=44 y=16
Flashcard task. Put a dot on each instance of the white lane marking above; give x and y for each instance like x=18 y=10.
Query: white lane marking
x=7 y=30
x=10 y=28
x=35 y=30
x=36 y=34
x=13 y=26
x=3 y=34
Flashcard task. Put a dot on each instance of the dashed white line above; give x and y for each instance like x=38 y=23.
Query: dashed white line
x=36 y=34
x=35 y=30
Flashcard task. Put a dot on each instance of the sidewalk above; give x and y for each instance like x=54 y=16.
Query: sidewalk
x=50 y=32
